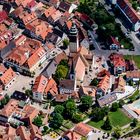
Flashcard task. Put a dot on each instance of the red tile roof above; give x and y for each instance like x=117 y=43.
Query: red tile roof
x=40 y=84
x=117 y=60
x=82 y=129
x=7 y=77
x=128 y=10
x=35 y=57
x=3 y=16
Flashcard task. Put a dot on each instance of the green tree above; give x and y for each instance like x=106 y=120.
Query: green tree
x=38 y=121
x=65 y=42
x=94 y=82
x=28 y=92
x=98 y=114
x=121 y=103
x=56 y=121
x=134 y=122
x=7 y=98
x=114 y=107
x=61 y=72
x=86 y=102
x=107 y=124
x=59 y=109
x=70 y=109
x=77 y=118
x=117 y=132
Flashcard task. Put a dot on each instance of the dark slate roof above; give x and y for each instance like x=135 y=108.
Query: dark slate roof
x=50 y=69
x=107 y=99
x=64 y=6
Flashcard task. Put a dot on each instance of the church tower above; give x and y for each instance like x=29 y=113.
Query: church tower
x=74 y=39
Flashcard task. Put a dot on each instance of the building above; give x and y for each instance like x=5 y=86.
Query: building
x=67 y=86
x=66 y=6
x=107 y=99
x=42 y=87
x=114 y=44
x=104 y=85
x=130 y=15
x=118 y=63
x=7 y=79
x=38 y=29
x=119 y=86
x=133 y=75
x=87 y=90
x=26 y=57
x=83 y=129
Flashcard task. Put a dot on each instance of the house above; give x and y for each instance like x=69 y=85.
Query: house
x=107 y=99
x=30 y=133
x=25 y=58
x=71 y=135
x=38 y=57
x=8 y=78
x=83 y=129
x=3 y=16
x=85 y=19
x=54 y=17
x=24 y=3
x=87 y=90
x=118 y=62
x=104 y=85
x=2 y=69
x=7 y=111
x=54 y=3
x=61 y=98
x=133 y=75
x=67 y=86
x=114 y=44
x=129 y=14
x=64 y=23
x=119 y=85
x=38 y=29
x=42 y=87
x=66 y=6
x=9 y=133
x=25 y=18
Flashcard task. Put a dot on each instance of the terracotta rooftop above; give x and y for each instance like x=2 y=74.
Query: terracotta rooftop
x=49 y=11
x=35 y=57
x=7 y=76
x=83 y=129
x=39 y=27
x=104 y=83
x=117 y=60
x=133 y=74
x=40 y=84
x=10 y=107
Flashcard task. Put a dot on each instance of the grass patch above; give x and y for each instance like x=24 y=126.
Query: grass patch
x=135 y=58
x=96 y=124
x=118 y=118
x=67 y=124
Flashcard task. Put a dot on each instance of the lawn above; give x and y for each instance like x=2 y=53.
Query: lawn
x=119 y=118
x=96 y=124
x=135 y=58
